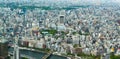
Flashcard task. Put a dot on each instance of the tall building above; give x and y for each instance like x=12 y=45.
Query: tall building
x=3 y=50
x=61 y=18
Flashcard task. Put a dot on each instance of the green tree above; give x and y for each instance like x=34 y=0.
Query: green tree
x=75 y=45
x=24 y=58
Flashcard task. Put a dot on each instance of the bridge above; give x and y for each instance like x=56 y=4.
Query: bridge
x=47 y=55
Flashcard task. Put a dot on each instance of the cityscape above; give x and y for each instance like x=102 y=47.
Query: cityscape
x=59 y=29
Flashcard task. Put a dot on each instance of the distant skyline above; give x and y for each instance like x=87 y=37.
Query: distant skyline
x=71 y=1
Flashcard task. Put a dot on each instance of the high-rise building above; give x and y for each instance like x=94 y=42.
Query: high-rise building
x=3 y=50
x=61 y=18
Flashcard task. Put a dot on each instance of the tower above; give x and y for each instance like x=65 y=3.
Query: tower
x=62 y=16
x=3 y=42
x=3 y=50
